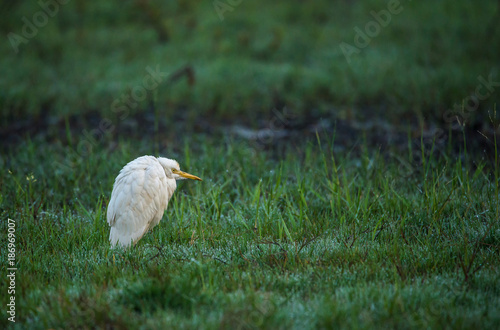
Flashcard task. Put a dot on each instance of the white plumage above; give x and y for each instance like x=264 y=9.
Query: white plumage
x=140 y=197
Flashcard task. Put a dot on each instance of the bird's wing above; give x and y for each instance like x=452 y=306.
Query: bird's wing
x=139 y=198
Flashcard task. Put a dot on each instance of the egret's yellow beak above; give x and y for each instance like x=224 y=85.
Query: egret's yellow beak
x=188 y=176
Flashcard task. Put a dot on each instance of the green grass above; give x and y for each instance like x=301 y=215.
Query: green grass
x=261 y=56
x=299 y=233
x=314 y=240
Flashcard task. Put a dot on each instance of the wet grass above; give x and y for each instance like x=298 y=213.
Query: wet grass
x=316 y=239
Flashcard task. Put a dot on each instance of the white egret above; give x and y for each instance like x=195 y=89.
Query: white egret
x=140 y=197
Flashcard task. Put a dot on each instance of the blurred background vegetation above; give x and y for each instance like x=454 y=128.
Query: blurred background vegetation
x=245 y=58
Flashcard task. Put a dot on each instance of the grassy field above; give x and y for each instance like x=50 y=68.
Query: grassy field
x=311 y=240
x=366 y=206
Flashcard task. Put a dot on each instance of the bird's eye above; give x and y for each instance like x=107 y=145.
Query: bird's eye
x=174 y=170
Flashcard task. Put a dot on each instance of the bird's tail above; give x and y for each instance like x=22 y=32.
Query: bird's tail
x=116 y=238
x=122 y=237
